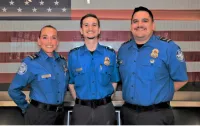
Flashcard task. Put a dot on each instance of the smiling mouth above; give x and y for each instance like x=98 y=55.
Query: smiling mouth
x=49 y=46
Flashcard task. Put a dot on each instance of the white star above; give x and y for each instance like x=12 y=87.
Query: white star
x=34 y=9
x=4 y=9
x=11 y=2
x=64 y=9
x=49 y=9
x=26 y=3
x=56 y=2
x=41 y=3
x=19 y=9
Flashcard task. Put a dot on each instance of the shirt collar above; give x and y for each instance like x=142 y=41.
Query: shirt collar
x=99 y=49
x=44 y=56
x=148 y=43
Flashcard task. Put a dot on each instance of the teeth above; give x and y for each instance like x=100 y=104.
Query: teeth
x=49 y=46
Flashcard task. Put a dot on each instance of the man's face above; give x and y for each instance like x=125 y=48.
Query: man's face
x=48 y=40
x=90 y=28
x=142 y=26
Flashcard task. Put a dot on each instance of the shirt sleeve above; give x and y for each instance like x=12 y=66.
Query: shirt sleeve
x=71 y=77
x=115 y=74
x=21 y=79
x=177 y=64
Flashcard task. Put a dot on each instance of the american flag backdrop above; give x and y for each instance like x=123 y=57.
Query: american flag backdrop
x=178 y=20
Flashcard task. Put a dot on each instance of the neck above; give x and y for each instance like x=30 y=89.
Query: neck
x=91 y=44
x=142 y=40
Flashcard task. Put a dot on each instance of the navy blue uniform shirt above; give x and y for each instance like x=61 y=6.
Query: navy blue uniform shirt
x=48 y=78
x=93 y=74
x=148 y=74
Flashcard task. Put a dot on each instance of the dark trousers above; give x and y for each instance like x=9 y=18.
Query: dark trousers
x=85 y=115
x=38 y=116
x=161 y=116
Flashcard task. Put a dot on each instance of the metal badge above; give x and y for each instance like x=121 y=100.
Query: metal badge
x=154 y=53
x=107 y=61
x=46 y=76
x=79 y=69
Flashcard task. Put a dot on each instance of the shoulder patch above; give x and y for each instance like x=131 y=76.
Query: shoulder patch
x=33 y=56
x=126 y=42
x=74 y=49
x=109 y=48
x=62 y=57
x=165 y=39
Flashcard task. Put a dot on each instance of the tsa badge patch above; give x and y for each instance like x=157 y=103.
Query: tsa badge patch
x=107 y=61
x=22 y=69
x=180 y=56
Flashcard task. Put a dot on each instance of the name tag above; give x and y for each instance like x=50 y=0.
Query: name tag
x=46 y=76
x=79 y=69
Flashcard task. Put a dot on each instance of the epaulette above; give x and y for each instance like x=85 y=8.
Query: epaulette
x=62 y=57
x=165 y=39
x=109 y=48
x=126 y=42
x=74 y=49
x=33 y=56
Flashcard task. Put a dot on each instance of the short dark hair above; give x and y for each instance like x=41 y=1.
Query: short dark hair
x=141 y=8
x=89 y=15
x=46 y=26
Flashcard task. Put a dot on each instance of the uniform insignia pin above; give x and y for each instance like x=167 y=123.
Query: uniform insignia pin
x=152 y=61
x=107 y=61
x=65 y=68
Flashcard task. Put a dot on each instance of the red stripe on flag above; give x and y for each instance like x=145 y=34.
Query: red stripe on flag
x=126 y=14
x=105 y=36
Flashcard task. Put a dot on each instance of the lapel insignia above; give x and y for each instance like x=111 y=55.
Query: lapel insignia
x=65 y=68
x=152 y=61
x=107 y=61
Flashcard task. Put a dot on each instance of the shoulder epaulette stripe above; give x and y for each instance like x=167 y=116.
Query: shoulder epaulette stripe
x=126 y=42
x=165 y=39
x=62 y=57
x=74 y=49
x=33 y=56
x=109 y=48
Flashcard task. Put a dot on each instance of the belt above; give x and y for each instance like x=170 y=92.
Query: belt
x=48 y=107
x=94 y=103
x=147 y=108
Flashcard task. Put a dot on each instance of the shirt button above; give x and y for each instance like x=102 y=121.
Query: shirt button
x=132 y=86
x=131 y=97
x=92 y=58
x=57 y=101
x=58 y=92
x=58 y=82
x=134 y=61
x=57 y=73
x=92 y=81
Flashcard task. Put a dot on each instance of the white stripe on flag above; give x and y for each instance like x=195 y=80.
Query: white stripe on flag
x=8 y=47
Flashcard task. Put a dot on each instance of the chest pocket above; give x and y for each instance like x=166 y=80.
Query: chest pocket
x=79 y=76
x=46 y=82
x=106 y=74
x=146 y=70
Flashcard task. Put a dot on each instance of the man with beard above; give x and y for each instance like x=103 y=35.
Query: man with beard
x=151 y=69
x=93 y=77
x=46 y=73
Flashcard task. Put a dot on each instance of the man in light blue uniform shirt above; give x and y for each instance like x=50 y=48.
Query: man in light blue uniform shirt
x=151 y=69
x=47 y=74
x=93 y=77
